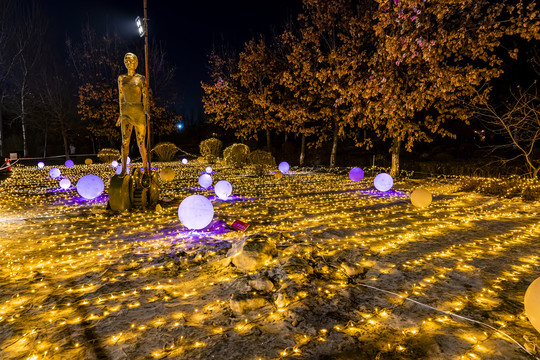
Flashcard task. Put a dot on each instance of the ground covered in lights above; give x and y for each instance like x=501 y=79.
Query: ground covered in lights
x=358 y=274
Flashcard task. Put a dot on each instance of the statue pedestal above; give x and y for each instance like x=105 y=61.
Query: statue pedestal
x=134 y=191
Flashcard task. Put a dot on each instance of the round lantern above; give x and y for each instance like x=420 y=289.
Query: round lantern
x=88 y=161
x=421 y=197
x=532 y=304
x=90 y=186
x=128 y=160
x=184 y=161
x=278 y=175
x=114 y=164
x=208 y=170
x=223 y=189
x=166 y=174
x=195 y=212
x=69 y=164
x=383 y=182
x=54 y=172
x=283 y=167
x=205 y=180
x=40 y=165
x=356 y=174
x=65 y=184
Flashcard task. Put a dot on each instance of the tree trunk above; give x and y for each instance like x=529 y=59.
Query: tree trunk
x=45 y=142
x=66 y=144
x=334 y=146
x=25 y=144
x=303 y=150
x=396 y=145
x=268 y=141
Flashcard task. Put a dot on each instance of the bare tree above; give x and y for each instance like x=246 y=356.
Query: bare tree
x=518 y=122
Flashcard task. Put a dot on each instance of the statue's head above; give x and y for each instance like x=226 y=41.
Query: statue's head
x=131 y=61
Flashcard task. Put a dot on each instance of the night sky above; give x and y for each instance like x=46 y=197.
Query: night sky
x=187 y=28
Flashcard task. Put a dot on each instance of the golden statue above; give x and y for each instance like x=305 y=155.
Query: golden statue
x=133 y=109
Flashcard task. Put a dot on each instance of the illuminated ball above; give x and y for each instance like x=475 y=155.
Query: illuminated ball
x=128 y=160
x=65 y=184
x=119 y=170
x=114 y=164
x=283 y=167
x=383 y=182
x=54 y=172
x=208 y=170
x=90 y=186
x=356 y=174
x=88 y=161
x=184 y=161
x=166 y=174
x=278 y=175
x=532 y=304
x=223 y=189
x=195 y=212
x=421 y=198
x=69 y=164
x=205 y=180
x=40 y=165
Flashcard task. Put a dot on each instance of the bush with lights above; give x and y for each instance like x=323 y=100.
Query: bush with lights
x=165 y=151
x=108 y=155
x=236 y=155
x=262 y=161
x=210 y=149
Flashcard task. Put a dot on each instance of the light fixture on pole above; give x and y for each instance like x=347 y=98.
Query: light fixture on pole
x=140 y=26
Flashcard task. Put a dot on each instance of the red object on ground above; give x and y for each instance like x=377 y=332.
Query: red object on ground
x=8 y=165
x=239 y=225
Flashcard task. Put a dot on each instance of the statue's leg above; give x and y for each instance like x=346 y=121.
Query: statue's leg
x=127 y=128
x=140 y=132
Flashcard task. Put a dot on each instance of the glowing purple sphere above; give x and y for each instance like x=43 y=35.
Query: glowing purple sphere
x=114 y=164
x=223 y=189
x=184 y=161
x=383 y=182
x=356 y=174
x=40 y=165
x=196 y=212
x=205 y=181
x=90 y=186
x=69 y=164
x=54 y=172
x=208 y=170
x=65 y=184
x=284 y=167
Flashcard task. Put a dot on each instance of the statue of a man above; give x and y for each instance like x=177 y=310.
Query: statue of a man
x=133 y=109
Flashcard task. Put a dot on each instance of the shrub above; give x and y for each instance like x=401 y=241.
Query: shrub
x=236 y=155
x=165 y=151
x=211 y=149
x=262 y=161
x=510 y=187
x=108 y=155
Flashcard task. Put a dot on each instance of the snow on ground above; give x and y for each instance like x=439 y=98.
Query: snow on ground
x=358 y=274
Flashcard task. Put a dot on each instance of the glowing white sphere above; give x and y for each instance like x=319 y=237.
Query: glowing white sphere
x=283 y=167
x=208 y=170
x=184 y=161
x=356 y=174
x=114 y=164
x=205 y=180
x=40 y=165
x=166 y=174
x=421 y=197
x=90 y=186
x=54 y=172
x=65 y=184
x=223 y=189
x=128 y=160
x=383 y=182
x=532 y=303
x=195 y=212
x=119 y=170
x=69 y=164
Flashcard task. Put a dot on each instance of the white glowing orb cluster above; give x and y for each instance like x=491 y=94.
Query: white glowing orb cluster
x=223 y=189
x=90 y=186
x=196 y=212
x=383 y=182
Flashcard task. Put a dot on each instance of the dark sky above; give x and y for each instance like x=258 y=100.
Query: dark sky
x=188 y=28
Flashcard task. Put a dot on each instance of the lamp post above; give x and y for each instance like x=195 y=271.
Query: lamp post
x=142 y=26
